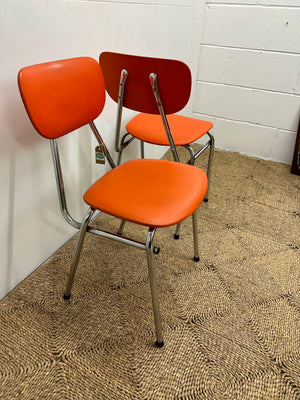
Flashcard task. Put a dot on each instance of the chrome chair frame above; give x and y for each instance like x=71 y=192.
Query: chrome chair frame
x=122 y=142
x=121 y=145
x=44 y=91
x=85 y=227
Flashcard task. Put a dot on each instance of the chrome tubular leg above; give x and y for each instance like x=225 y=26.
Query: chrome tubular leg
x=176 y=234
x=210 y=159
x=190 y=162
x=124 y=143
x=80 y=239
x=195 y=237
x=121 y=228
x=142 y=149
x=119 y=157
x=154 y=287
x=192 y=154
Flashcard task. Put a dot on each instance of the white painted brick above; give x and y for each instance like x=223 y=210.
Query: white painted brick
x=238 y=26
x=289 y=3
x=263 y=70
x=177 y=3
x=277 y=110
x=204 y=139
x=204 y=117
x=222 y=101
x=297 y=85
x=284 y=30
x=212 y=64
x=283 y=148
x=254 y=140
x=237 y=2
x=281 y=3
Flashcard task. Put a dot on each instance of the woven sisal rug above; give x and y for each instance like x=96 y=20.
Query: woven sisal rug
x=231 y=322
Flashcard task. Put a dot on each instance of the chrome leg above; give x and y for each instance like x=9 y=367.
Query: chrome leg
x=195 y=237
x=153 y=286
x=210 y=159
x=176 y=234
x=142 y=149
x=80 y=239
x=192 y=154
x=121 y=227
x=190 y=162
x=119 y=157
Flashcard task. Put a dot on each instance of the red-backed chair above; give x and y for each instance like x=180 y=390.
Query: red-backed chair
x=64 y=95
x=148 y=126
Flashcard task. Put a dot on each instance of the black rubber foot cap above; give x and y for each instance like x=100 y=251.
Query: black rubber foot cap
x=176 y=237
x=197 y=259
x=206 y=200
x=156 y=250
x=159 y=344
x=67 y=297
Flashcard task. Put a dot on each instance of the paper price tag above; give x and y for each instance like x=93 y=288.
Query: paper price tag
x=99 y=154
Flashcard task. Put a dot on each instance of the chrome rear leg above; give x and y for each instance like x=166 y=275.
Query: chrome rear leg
x=120 y=157
x=192 y=154
x=142 y=149
x=210 y=160
x=121 y=228
x=195 y=237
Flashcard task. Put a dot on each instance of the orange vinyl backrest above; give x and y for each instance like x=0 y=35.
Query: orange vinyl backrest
x=173 y=77
x=62 y=96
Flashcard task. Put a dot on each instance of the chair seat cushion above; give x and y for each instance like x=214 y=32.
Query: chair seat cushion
x=154 y=193
x=150 y=129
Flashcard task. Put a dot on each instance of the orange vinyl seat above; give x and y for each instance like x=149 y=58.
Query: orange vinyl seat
x=62 y=96
x=149 y=192
x=149 y=128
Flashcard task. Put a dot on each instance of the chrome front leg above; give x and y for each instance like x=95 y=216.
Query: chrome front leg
x=176 y=234
x=154 y=287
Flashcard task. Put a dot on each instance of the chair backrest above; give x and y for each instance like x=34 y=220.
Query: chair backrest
x=62 y=96
x=173 y=78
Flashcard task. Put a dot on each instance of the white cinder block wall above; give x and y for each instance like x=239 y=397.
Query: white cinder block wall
x=248 y=80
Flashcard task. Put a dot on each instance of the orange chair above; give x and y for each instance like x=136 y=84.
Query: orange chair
x=64 y=95
x=148 y=126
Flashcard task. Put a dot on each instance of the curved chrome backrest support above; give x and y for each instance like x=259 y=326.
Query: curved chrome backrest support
x=154 y=85
x=123 y=77
x=60 y=186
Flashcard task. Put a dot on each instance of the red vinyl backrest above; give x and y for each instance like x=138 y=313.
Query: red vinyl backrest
x=62 y=96
x=173 y=78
